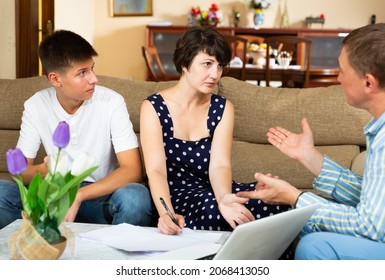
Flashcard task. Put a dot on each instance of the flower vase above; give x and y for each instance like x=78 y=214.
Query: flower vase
x=28 y=244
x=259 y=18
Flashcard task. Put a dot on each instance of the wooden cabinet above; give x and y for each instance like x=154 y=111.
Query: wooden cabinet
x=326 y=45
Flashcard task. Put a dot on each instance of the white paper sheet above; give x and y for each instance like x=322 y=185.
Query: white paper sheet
x=135 y=238
x=192 y=252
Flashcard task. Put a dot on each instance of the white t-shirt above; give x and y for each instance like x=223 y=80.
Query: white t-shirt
x=101 y=127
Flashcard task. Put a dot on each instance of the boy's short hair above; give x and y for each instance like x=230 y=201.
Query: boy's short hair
x=197 y=39
x=365 y=50
x=62 y=49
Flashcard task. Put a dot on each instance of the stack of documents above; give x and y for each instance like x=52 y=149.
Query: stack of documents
x=145 y=239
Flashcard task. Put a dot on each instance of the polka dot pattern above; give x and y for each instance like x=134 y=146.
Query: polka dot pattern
x=187 y=172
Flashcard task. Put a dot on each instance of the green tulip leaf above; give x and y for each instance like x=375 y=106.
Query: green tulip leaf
x=72 y=194
x=62 y=207
x=75 y=181
x=24 y=195
x=32 y=191
x=48 y=191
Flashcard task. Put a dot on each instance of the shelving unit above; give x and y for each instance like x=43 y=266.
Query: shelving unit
x=325 y=48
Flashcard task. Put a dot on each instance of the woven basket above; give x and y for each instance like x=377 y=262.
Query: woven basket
x=28 y=244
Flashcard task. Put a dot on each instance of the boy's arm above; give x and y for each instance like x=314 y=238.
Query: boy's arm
x=32 y=169
x=129 y=171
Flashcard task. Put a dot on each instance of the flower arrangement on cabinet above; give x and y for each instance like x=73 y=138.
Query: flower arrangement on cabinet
x=203 y=17
x=258 y=7
x=47 y=200
x=259 y=4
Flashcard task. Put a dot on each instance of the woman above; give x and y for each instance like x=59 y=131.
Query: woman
x=186 y=136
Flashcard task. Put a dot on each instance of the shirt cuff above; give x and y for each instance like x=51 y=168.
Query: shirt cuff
x=328 y=176
x=307 y=198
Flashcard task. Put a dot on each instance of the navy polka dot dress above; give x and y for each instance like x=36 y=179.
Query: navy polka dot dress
x=187 y=172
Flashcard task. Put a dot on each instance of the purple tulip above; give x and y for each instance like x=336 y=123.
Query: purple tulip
x=61 y=136
x=16 y=161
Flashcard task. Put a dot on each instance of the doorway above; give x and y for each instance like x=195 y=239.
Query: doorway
x=34 y=20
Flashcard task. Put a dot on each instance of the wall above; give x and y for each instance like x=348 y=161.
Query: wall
x=78 y=16
x=7 y=39
x=118 y=39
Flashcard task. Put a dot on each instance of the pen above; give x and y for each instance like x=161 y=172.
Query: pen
x=168 y=211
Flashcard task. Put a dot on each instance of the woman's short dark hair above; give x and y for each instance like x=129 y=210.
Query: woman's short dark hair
x=197 y=39
x=365 y=51
x=62 y=49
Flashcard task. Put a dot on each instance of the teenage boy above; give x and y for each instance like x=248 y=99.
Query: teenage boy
x=99 y=125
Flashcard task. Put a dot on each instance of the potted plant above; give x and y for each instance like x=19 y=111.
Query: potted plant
x=46 y=200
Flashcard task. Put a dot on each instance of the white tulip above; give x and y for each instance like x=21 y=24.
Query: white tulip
x=82 y=163
x=62 y=165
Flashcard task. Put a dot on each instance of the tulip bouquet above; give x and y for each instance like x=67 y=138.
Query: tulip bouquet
x=47 y=200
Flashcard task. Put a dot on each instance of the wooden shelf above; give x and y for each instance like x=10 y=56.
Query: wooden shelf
x=327 y=44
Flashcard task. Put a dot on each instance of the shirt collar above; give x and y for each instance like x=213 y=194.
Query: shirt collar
x=375 y=125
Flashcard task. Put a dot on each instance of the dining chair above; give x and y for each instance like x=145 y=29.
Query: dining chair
x=155 y=67
x=293 y=45
x=238 y=47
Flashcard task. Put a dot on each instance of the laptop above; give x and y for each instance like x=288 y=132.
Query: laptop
x=263 y=239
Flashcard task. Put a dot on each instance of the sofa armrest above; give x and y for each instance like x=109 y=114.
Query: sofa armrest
x=358 y=163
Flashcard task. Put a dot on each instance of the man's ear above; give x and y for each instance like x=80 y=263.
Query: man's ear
x=371 y=82
x=54 y=79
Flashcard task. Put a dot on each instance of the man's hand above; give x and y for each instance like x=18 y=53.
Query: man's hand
x=298 y=146
x=291 y=144
x=272 y=191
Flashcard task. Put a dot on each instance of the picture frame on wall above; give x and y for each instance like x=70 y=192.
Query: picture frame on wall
x=129 y=8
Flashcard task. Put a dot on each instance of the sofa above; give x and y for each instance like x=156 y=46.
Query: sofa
x=337 y=127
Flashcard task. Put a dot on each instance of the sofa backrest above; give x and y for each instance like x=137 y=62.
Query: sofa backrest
x=332 y=120
x=13 y=93
x=256 y=109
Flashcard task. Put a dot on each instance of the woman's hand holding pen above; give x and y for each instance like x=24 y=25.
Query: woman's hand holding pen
x=167 y=226
x=170 y=223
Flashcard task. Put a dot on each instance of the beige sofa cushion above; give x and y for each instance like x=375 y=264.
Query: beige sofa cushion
x=359 y=163
x=13 y=94
x=333 y=122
